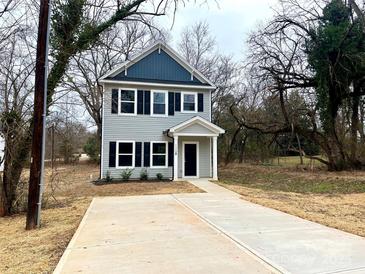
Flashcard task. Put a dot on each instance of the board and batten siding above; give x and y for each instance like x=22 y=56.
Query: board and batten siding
x=147 y=128
x=158 y=66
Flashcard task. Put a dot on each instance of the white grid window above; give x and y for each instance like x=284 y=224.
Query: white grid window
x=159 y=103
x=159 y=154
x=128 y=105
x=189 y=101
x=125 y=154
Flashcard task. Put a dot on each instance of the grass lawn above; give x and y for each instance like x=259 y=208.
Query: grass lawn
x=67 y=197
x=335 y=199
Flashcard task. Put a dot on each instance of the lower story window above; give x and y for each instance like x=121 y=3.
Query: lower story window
x=159 y=154
x=125 y=154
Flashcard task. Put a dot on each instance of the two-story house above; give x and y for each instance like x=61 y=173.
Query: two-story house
x=157 y=117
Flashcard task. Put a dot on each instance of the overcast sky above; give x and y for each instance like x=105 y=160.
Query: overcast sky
x=230 y=21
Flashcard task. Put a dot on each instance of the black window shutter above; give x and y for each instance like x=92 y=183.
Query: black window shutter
x=177 y=101
x=171 y=154
x=147 y=102
x=114 y=101
x=140 y=102
x=171 y=103
x=146 y=156
x=138 y=159
x=112 y=153
x=200 y=102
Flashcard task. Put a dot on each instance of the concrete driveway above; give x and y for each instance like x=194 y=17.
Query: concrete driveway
x=213 y=232
x=151 y=234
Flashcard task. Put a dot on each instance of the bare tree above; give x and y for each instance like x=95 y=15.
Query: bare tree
x=76 y=27
x=85 y=69
x=199 y=48
x=280 y=59
x=16 y=88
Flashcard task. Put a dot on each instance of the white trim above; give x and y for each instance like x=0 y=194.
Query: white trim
x=210 y=106
x=210 y=158
x=166 y=103
x=159 y=45
x=120 y=102
x=166 y=154
x=196 y=134
x=215 y=158
x=205 y=123
x=195 y=102
x=197 y=159
x=133 y=154
x=176 y=158
x=133 y=60
x=133 y=83
x=178 y=58
x=102 y=134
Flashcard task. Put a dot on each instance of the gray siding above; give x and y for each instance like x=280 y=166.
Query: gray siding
x=145 y=128
x=196 y=129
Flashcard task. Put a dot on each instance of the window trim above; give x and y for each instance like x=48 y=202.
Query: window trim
x=120 y=101
x=133 y=154
x=166 y=103
x=197 y=143
x=166 y=154
x=195 y=101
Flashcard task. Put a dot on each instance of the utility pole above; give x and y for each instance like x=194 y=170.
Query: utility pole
x=39 y=119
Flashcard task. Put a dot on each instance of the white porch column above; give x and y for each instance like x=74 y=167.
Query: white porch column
x=176 y=157
x=215 y=161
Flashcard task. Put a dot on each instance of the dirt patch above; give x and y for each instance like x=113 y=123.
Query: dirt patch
x=67 y=195
x=338 y=206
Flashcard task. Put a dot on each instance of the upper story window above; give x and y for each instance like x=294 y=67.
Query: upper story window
x=189 y=102
x=125 y=154
x=159 y=154
x=159 y=104
x=128 y=105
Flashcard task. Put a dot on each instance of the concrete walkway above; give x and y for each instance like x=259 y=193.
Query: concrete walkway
x=289 y=243
x=213 y=232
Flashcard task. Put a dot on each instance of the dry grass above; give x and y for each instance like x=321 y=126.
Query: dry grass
x=38 y=251
x=335 y=199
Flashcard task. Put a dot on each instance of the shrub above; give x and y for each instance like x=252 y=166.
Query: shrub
x=159 y=176
x=108 y=178
x=92 y=148
x=143 y=175
x=126 y=174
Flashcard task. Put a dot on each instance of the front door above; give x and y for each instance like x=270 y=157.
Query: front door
x=191 y=160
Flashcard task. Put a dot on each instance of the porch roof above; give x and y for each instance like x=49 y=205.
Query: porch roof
x=196 y=126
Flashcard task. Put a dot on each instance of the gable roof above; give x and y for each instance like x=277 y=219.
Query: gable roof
x=158 y=63
x=197 y=120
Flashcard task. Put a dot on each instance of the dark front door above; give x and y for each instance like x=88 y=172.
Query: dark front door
x=190 y=164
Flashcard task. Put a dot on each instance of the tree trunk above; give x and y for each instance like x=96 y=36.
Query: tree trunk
x=362 y=122
x=4 y=208
x=231 y=144
x=300 y=149
x=355 y=127
x=242 y=149
x=13 y=165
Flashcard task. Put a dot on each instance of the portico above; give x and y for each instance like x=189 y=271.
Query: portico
x=195 y=148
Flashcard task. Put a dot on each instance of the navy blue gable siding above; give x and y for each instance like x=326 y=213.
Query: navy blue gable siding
x=159 y=68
